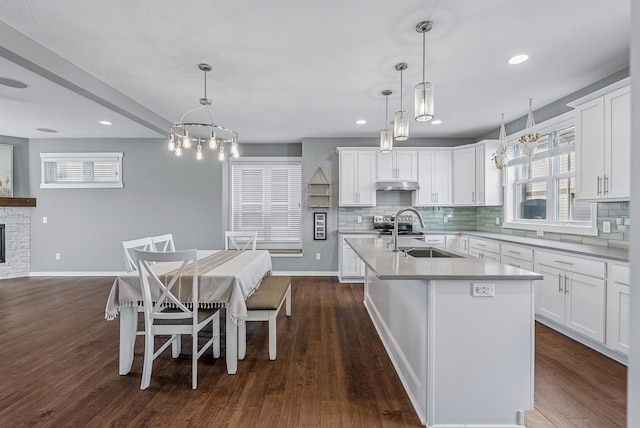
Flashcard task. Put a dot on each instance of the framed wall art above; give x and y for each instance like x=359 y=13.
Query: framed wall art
x=319 y=226
x=6 y=171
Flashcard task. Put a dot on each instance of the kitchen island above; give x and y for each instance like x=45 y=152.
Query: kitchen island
x=459 y=331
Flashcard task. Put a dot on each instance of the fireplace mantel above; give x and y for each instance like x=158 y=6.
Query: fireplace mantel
x=17 y=202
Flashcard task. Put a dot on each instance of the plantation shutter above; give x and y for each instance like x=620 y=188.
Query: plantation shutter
x=266 y=197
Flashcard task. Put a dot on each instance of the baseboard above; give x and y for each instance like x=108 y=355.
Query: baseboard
x=304 y=273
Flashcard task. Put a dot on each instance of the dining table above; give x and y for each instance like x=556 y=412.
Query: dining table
x=225 y=279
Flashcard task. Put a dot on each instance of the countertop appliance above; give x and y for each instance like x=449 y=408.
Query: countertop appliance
x=384 y=225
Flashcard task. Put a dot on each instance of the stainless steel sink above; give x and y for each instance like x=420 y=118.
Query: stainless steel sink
x=430 y=253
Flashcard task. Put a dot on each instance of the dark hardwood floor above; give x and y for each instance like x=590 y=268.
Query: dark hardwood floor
x=59 y=367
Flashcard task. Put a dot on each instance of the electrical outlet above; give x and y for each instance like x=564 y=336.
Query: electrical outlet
x=606 y=226
x=446 y=219
x=44 y=220
x=482 y=289
x=318 y=256
x=359 y=219
x=497 y=221
x=539 y=232
x=57 y=256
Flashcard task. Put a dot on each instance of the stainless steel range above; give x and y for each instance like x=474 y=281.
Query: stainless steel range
x=384 y=225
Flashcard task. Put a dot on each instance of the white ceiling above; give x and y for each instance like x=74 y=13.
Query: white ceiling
x=284 y=70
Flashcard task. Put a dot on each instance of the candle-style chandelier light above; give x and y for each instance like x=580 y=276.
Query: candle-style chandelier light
x=185 y=135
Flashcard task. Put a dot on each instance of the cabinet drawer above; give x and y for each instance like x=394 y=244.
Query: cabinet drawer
x=512 y=261
x=434 y=240
x=514 y=251
x=620 y=274
x=482 y=245
x=573 y=264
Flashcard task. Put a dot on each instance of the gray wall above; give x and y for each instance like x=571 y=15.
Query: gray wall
x=20 y=165
x=162 y=194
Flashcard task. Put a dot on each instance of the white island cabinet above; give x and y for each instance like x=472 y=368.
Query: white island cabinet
x=460 y=332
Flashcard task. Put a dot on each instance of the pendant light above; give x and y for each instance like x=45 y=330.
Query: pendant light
x=424 y=103
x=500 y=156
x=401 y=120
x=386 y=135
x=529 y=140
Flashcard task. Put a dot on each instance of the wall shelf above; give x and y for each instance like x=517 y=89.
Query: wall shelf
x=319 y=190
x=17 y=202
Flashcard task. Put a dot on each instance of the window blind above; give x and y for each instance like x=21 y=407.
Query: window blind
x=78 y=170
x=266 y=197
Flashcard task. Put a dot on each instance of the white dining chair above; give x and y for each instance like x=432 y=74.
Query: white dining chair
x=163 y=243
x=240 y=240
x=144 y=244
x=168 y=315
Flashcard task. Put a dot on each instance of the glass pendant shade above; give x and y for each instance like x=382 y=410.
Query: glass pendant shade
x=172 y=143
x=401 y=126
x=186 y=141
x=386 y=141
x=424 y=102
x=199 y=152
x=221 y=153
x=213 y=141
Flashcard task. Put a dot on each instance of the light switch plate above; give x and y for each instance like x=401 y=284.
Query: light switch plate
x=606 y=226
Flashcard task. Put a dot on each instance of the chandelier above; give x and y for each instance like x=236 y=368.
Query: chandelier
x=185 y=135
x=424 y=98
x=386 y=135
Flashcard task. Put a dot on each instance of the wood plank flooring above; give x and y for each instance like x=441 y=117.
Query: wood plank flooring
x=59 y=368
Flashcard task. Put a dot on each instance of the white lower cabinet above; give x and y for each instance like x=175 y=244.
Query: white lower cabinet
x=618 y=308
x=435 y=240
x=351 y=268
x=483 y=249
x=452 y=242
x=572 y=299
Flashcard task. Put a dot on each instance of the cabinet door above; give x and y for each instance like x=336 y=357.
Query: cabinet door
x=452 y=242
x=617 y=181
x=442 y=176
x=386 y=168
x=590 y=150
x=618 y=309
x=426 y=194
x=480 y=168
x=366 y=178
x=464 y=176
x=348 y=178
x=550 y=294
x=585 y=305
x=464 y=244
x=406 y=165
x=351 y=263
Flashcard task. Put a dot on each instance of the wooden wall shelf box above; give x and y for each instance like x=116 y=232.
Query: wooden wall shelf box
x=17 y=202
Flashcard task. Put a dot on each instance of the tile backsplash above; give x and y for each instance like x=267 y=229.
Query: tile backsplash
x=484 y=219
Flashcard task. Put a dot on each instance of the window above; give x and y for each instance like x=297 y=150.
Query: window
x=540 y=192
x=81 y=170
x=266 y=197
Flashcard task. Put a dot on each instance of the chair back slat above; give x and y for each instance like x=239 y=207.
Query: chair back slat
x=240 y=240
x=162 y=291
x=128 y=247
x=163 y=243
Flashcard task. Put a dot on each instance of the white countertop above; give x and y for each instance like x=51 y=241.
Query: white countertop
x=611 y=253
x=387 y=264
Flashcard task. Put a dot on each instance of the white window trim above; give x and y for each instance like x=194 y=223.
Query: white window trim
x=89 y=157
x=565 y=119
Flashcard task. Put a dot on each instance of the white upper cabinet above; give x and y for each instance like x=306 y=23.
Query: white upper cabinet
x=399 y=165
x=464 y=176
x=435 y=178
x=357 y=177
x=603 y=144
x=489 y=189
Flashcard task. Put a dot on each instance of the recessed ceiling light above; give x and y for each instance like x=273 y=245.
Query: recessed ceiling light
x=105 y=122
x=47 y=130
x=518 y=59
x=12 y=83
x=436 y=122
x=361 y=121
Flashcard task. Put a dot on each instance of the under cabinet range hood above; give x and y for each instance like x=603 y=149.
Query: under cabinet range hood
x=405 y=186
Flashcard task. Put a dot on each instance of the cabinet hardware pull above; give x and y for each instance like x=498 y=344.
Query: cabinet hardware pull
x=606 y=185
x=566 y=288
x=513 y=252
x=599 y=179
x=559 y=283
x=473 y=197
x=564 y=263
x=481 y=245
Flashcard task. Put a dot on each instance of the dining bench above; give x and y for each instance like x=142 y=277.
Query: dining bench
x=264 y=305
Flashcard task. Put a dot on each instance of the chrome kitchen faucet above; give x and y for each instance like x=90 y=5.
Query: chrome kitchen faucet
x=395 y=224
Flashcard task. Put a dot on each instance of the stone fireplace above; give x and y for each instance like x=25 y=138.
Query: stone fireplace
x=17 y=240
